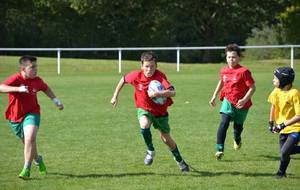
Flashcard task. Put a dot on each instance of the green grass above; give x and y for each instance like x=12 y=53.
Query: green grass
x=90 y=145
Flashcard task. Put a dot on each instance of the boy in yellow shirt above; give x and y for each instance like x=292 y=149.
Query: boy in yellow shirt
x=285 y=116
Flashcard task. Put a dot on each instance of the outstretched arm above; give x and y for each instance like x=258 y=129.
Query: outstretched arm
x=114 y=99
x=219 y=87
x=6 y=89
x=240 y=104
x=56 y=101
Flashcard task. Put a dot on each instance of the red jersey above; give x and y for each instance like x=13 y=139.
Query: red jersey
x=20 y=104
x=142 y=100
x=236 y=83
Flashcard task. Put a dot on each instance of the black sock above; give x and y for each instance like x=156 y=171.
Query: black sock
x=176 y=154
x=147 y=138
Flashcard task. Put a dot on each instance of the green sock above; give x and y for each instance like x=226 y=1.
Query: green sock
x=147 y=138
x=220 y=147
x=176 y=154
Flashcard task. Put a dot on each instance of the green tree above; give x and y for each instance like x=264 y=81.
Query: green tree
x=125 y=23
x=18 y=25
x=268 y=35
x=290 y=19
x=218 y=22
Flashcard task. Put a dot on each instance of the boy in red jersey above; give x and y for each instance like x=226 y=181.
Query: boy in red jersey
x=237 y=87
x=285 y=116
x=148 y=111
x=23 y=110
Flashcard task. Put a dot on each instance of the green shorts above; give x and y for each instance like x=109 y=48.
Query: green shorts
x=29 y=119
x=161 y=123
x=237 y=115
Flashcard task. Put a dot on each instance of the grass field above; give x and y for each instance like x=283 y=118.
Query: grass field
x=90 y=145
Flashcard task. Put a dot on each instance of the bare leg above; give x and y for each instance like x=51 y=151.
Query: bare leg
x=30 y=148
x=167 y=139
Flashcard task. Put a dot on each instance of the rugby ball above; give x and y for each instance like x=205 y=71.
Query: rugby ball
x=156 y=86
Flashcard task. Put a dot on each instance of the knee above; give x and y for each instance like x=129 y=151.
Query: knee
x=144 y=122
x=144 y=126
x=30 y=140
x=30 y=133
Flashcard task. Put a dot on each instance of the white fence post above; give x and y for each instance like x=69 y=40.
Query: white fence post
x=120 y=60
x=58 y=61
x=178 y=59
x=292 y=56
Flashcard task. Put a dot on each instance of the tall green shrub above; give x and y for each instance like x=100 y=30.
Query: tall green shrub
x=268 y=35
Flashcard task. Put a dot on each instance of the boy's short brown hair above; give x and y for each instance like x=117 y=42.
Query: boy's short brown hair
x=149 y=56
x=233 y=47
x=27 y=58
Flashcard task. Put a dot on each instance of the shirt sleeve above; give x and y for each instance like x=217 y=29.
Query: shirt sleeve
x=43 y=85
x=11 y=81
x=272 y=97
x=296 y=101
x=130 y=77
x=248 y=78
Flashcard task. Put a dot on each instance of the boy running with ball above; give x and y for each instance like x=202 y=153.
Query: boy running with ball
x=23 y=110
x=148 y=111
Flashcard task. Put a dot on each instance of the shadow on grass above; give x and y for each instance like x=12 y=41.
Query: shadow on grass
x=107 y=175
x=193 y=173
x=32 y=179
x=233 y=173
x=276 y=158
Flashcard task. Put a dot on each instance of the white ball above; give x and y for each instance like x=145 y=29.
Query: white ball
x=156 y=86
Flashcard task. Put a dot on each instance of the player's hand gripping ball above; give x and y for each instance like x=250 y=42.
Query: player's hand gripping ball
x=156 y=86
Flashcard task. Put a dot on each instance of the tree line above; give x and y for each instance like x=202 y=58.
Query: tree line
x=144 y=23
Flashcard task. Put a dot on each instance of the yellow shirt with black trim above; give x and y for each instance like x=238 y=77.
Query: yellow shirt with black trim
x=287 y=105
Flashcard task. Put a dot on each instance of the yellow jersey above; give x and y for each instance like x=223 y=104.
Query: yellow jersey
x=287 y=105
